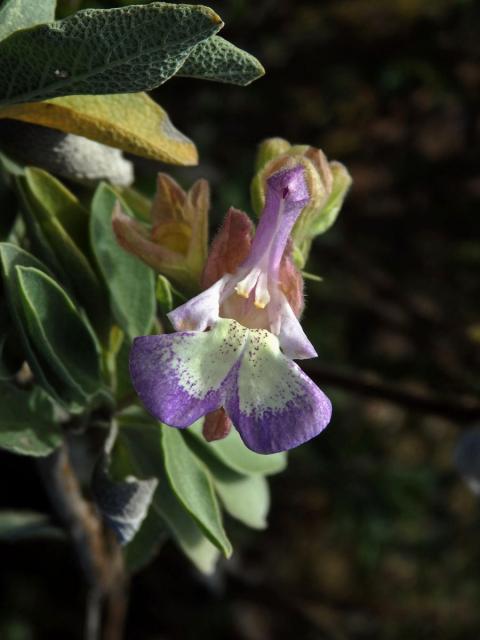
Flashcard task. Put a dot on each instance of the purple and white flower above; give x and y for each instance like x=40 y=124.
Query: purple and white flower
x=236 y=341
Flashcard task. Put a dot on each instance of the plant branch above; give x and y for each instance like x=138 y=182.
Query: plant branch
x=98 y=552
x=464 y=411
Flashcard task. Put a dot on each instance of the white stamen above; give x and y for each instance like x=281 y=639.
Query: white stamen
x=245 y=286
x=262 y=295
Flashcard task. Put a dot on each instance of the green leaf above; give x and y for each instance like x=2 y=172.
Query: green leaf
x=11 y=359
x=142 y=438
x=220 y=60
x=40 y=245
x=311 y=276
x=8 y=204
x=244 y=497
x=342 y=182
x=235 y=455
x=61 y=336
x=130 y=282
x=132 y=122
x=59 y=203
x=164 y=294
x=10 y=167
x=193 y=487
x=27 y=422
x=25 y=525
x=146 y=544
x=21 y=14
x=12 y=256
x=139 y=204
x=102 y=51
x=60 y=225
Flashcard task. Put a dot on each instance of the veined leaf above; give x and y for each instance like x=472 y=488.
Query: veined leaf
x=132 y=122
x=220 y=60
x=193 y=487
x=60 y=335
x=102 y=51
x=27 y=424
x=21 y=14
x=142 y=438
x=131 y=283
x=235 y=455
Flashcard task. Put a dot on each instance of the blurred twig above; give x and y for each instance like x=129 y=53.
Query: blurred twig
x=466 y=410
x=97 y=551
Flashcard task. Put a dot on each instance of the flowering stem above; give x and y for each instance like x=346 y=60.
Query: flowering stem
x=98 y=553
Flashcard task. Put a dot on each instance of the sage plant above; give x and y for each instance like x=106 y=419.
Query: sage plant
x=95 y=275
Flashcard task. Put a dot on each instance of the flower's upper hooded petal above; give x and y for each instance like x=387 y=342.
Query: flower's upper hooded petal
x=273 y=404
x=287 y=195
x=183 y=376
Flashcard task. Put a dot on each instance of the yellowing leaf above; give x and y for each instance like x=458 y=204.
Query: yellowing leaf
x=132 y=122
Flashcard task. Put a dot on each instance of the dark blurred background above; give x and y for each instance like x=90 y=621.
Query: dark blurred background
x=373 y=533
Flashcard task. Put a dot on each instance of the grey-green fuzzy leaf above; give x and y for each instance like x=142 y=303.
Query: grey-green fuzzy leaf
x=234 y=454
x=27 y=423
x=60 y=335
x=193 y=487
x=11 y=257
x=244 y=497
x=59 y=224
x=102 y=51
x=21 y=14
x=130 y=282
x=142 y=440
x=220 y=60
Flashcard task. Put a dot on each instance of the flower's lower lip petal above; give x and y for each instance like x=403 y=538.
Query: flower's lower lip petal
x=274 y=405
x=182 y=376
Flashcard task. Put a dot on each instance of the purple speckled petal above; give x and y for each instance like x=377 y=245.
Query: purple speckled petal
x=182 y=376
x=273 y=404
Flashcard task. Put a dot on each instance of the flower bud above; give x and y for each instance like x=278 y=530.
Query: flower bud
x=327 y=182
x=217 y=425
x=176 y=243
x=229 y=248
